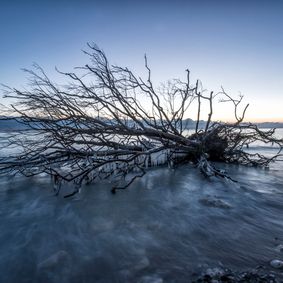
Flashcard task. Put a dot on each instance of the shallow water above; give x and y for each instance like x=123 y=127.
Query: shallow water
x=166 y=226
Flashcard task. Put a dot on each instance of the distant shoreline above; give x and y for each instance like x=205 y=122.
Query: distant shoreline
x=11 y=125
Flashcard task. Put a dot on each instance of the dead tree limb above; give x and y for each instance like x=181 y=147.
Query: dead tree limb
x=108 y=123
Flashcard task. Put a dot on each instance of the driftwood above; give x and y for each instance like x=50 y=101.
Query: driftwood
x=108 y=123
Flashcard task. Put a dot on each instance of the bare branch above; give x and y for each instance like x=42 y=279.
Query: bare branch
x=108 y=123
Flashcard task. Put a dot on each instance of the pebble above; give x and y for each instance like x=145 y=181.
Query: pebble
x=150 y=279
x=53 y=260
x=219 y=275
x=276 y=263
x=279 y=248
x=214 y=202
x=142 y=264
x=214 y=271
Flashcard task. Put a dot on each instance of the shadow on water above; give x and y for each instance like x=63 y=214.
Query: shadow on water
x=166 y=226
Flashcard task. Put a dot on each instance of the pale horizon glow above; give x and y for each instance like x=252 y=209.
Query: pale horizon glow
x=234 y=44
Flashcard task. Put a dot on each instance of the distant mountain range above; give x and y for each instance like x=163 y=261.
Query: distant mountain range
x=191 y=124
x=13 y=125
x=270 y=125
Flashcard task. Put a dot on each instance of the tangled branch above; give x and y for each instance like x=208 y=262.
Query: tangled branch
x=108 y=123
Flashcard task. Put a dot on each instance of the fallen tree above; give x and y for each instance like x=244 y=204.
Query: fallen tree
x=108 y=123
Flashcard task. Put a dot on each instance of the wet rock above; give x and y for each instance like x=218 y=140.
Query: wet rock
x=215 y=272
x=279 y=248
x=150 y=279
x=218 y=275
x=214 y=202
x=54 y=260
x=276 y=263
x=142 y=264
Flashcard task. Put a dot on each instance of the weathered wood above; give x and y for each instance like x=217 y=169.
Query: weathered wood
x=108 y=123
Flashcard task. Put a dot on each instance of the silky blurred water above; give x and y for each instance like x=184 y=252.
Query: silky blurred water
x=167 y=226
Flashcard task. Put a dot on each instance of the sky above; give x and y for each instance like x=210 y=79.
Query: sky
x=234 y=44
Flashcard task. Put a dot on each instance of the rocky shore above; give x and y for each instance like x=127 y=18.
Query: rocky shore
x=257 y=275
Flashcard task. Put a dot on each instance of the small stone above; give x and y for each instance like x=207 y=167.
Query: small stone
x=150 y=279
x=53 y=260
x=214 y=202
x=279 y=248
x=214 y=272
x=276 y=263
x=142 y=264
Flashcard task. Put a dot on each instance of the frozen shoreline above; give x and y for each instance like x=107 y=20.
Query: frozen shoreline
x=167 y=225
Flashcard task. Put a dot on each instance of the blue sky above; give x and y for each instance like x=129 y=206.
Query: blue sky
x=234 y=44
